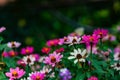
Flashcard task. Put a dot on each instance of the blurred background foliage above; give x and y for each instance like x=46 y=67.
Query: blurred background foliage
x=32 y=22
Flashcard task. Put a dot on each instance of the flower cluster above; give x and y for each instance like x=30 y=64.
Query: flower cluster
x=73 y=57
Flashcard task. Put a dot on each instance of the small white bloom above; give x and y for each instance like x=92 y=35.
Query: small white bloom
x=78 y=55
x=116 y=66
x=117 y=56
x=73 y=40
x=13 y=44
x=29 y=60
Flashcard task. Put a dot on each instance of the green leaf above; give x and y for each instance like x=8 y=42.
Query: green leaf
x=1 y=39
x=10 y=62
x=2 y=76
x=80 y=76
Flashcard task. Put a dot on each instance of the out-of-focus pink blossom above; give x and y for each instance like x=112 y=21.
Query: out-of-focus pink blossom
x=100 y=32
x=46 y=50
x=27 y=50
x=109 y=37
x=60 y=50
x=92 y=78
x=53 y=42
x=2 y=29
x=21 y=63
x=90 y=40
x=37 y=56
x=5 y=54
x=12 y=53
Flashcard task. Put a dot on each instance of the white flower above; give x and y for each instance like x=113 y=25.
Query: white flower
x=29 y=60
x=117 y=56
x=46 y=69
x=78 y=55
x=73 y=40
x=13 y=44
x=116 y=66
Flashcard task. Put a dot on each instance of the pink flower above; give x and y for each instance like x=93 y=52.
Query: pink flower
x=2 y=29
x=117 y=49
x=117 y=56
x=101 y=32
x=109 y=37
x=12 y=53
x=37 y=57
x=59 y=50
x=13 y=44
x=92 y=78
x=16 y=73
x=21 y=63
x=27 y=50
x=53 y=42
x=36 y=76
x=5 y=54
x=53 y=58
x=46 y=50
x=61 y=41
x=90 y=39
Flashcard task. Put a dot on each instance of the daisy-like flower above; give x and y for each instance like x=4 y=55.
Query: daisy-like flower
x=5 y=54
x=27 y=50
x=117 y=56
x=12 y=53
x=116 y=66
x=2 y=29
x=73 y=40
x=101 y=32
x=45 y=50
x=13 y=44
x=78 y=55
x=16 y=73
x=65 y=74
x=53 y=58
x=92 y=78
x=41 y=59
x=29 y=60
x=90 y=39
x=36 y=76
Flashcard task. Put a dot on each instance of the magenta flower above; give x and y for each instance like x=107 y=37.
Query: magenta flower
x=46 y=50
x=90 y=39
x=2 y=29
x=16 y=73
x=117 y=49
x=12 y=53
x=27 y=50
x=59 y=50
x=101 y=32
x=5 y=54
x=37 y=57
x=13 y=44
x=36 y=76
x=53 y=58
x=21 y=63
x=53 y=42
x=92 y=78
